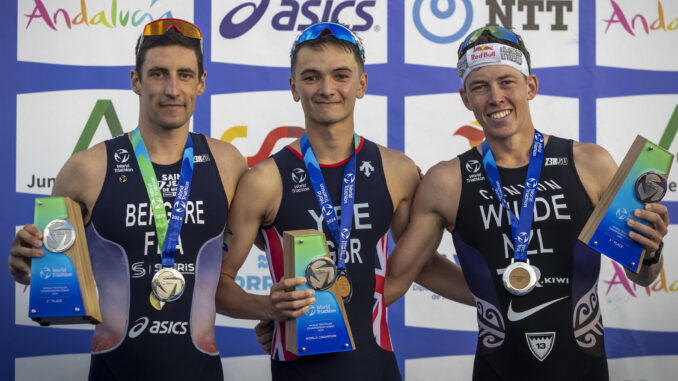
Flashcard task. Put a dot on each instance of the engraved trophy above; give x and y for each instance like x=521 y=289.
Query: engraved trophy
x=640 y=179
x=62 y=284
x=324 y=328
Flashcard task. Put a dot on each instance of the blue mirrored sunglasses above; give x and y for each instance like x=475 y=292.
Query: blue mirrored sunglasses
x=495 y=31
x=339 y=31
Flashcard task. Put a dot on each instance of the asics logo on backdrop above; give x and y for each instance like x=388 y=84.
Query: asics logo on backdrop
x=295 y=15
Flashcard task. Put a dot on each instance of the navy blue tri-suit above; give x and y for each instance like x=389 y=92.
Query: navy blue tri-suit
x=136 y=341
x=556 y=331
x=373 y=358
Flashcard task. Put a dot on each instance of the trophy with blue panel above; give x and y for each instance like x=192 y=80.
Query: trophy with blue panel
x=62 y=284
x=324 y=328
x=640 y=179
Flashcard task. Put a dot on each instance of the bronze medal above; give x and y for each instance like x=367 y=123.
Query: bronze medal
x=519 y=278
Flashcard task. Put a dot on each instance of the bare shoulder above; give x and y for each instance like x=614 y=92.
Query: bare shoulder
x=440 y=191
x=595 y=167
x=82 y=177
x=227 y=156
x=395 y=159
x=222 y=150
x=230 y=163
x=265 y=171
x=260 y=189
x=402 y=175
x=445 y=175
x=592 y=155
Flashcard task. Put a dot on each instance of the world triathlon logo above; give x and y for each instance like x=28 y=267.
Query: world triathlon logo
x=444 y=14
x=523 y=238
x=180 y=206
x=622 y=214
x=298 y=175
x=531 y=183
x=121 y=156
x=45 y=273
x=327 y=210
x=473 y=166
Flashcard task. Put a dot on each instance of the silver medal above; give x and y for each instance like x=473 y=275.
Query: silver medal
x=519 y=277
x=59 y=236
x=168 y=284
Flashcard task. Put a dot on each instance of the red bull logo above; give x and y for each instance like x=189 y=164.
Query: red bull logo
x=482 y=48
x=483 y=54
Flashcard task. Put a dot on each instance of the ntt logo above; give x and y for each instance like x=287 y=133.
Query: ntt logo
x=296 y=15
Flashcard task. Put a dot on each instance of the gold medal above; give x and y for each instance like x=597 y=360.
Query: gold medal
x=344 y=285
x=158 y=305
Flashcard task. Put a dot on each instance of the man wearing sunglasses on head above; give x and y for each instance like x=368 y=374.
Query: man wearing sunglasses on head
x=327 y=64
x=158 y=189
x=530 y=328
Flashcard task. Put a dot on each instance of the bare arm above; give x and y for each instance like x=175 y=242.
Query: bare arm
x=434 y=207
x=255 y=203
x=596 y=168
x=230 y=163
x=81 y=179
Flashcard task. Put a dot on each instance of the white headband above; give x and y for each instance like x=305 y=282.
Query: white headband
x=489 y=55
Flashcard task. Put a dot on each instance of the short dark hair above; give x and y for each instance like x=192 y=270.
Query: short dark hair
x=487 y=38
x=327 y=38
x=169 y=38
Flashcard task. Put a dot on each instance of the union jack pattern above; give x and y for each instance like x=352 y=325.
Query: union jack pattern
x=379 y=324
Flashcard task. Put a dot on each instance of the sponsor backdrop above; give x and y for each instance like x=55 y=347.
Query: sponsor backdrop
x=608 y=70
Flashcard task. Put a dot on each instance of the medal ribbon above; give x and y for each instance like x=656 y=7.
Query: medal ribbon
x=520 y=227
x=168 y=232
x=341 y=234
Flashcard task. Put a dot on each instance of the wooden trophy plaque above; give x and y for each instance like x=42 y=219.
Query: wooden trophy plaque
x=640 y=179
x=62 y=284
x=324 y=328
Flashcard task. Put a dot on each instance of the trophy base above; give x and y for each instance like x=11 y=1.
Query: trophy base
x=606 y=231
x=62 y=284
x=324 y=328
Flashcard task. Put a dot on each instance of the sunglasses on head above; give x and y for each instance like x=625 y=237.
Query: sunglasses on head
x=159 y=27
x=337 y=30
x=494 y=31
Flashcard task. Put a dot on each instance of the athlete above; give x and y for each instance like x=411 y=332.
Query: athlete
x=553 y=331
x=146 y=334
x=279 y=194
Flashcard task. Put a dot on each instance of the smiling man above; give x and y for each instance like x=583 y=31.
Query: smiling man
x=278 y=195
x=128 y=188
x=521 y=193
